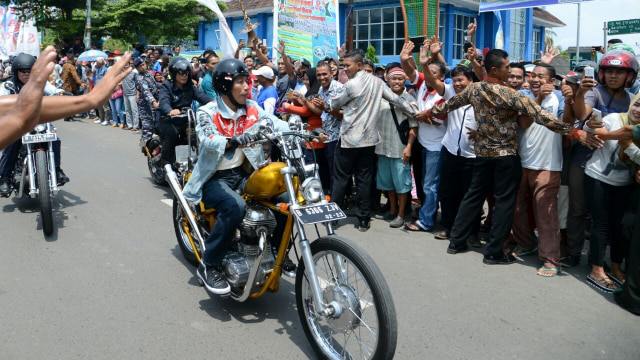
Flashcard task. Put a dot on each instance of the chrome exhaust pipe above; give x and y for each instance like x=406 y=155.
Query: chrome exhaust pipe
x=172 y=178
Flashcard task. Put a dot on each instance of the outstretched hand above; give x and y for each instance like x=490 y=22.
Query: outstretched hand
x=101 y=92
x=407 y=50
x=551 y=52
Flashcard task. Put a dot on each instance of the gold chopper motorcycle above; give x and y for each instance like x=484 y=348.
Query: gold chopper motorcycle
x=344 y=303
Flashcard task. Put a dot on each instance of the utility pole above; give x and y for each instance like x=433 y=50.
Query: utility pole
x=578 y=39
x=87 y=29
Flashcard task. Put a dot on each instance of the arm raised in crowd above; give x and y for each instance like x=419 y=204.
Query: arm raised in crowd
x=580 y=108
x=22 y=115
x=408 y=63
x=260 y=55
x=432 y=81
x=54 y=107
x=285 y=59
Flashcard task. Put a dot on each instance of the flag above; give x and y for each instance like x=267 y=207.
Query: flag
x=499 y=43
x=228 y=43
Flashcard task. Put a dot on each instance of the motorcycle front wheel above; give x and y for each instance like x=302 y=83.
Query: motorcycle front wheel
x=44 y=192
x=181 y=235
x=156 y=172
x=366 y=326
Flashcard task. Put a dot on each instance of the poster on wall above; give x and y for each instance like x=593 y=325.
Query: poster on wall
x=495 y=5
x=15 y=36
x=308 y=27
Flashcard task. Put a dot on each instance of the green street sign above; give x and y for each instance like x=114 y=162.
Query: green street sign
x=623 y=27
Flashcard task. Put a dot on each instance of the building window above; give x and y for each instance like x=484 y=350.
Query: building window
x=535 y=50
x=382 y=28
x=459 y=32
x=516 y=45
x=441 y=27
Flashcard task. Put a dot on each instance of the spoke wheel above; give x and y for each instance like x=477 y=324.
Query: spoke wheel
x=44 y=192
x=179 y=221
x=364 y=325
x=156 y=172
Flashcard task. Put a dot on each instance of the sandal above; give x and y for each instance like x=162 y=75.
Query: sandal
x=520 y=251
x=543 y=269
x=605 y=285
x=615 y=279
x=415 y=226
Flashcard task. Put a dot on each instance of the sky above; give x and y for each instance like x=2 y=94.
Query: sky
x=593 y=14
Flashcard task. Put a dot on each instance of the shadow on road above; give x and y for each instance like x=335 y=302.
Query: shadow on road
x=280 y=306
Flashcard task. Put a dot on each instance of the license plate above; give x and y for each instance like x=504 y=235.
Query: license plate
x=319 y=213
x=37 y=138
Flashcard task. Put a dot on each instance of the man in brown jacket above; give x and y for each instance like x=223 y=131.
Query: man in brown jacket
x=72 y=82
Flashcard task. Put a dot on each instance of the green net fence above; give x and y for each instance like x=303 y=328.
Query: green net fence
x=414 y=10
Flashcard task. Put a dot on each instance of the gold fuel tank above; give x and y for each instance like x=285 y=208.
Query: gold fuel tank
x=267 y=182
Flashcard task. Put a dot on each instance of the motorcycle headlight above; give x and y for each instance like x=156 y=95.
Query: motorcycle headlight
x=312 y=189
x=40 y=128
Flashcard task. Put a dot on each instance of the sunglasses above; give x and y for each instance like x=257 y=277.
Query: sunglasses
x=182 y=72
x=25 y=71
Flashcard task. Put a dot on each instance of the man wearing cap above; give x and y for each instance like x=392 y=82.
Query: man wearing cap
x=268 y=95
x=148 y=94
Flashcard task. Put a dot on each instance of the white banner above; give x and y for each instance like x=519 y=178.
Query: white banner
x=228 y=43
x=17 y=37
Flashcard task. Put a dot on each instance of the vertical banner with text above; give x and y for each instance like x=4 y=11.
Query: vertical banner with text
x=309 y=28
x=15 y=36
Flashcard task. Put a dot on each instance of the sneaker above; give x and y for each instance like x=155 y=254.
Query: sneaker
x=61 y=177
x=105 y=123
x=397 y=222
x=503 y=259
x=97 y=121
x=289 y=268
x=213 y=280
x=5 y=186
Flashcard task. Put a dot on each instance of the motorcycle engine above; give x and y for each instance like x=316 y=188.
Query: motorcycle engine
x=238 y=262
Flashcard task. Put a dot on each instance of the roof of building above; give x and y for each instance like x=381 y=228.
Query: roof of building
x=547 y=17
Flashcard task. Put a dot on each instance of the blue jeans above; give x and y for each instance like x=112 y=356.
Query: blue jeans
x=116 y=110
x=220 y=193
x=432 y=161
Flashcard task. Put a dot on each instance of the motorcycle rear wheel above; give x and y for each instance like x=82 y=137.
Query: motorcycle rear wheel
x=156 y=172
x=44 y=192
x=367 y=327
x=182 y=237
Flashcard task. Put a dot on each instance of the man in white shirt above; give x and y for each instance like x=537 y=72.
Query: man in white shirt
x=541 y=155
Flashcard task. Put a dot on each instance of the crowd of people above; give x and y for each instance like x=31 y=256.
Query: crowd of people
x=551 y=154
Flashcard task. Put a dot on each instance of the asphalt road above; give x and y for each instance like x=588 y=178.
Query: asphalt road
x=110 y=283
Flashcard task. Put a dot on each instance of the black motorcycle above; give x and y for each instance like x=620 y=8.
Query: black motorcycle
x=153 y=149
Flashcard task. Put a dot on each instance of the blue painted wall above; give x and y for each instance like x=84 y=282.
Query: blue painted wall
x=485 y=35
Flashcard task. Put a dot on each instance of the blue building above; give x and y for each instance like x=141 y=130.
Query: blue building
x=380 y=23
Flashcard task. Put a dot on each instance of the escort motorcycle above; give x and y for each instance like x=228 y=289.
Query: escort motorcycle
x=153 y=148
x=344 y=303
x=34 y=175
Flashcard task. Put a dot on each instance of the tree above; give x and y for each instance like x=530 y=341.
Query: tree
x=156 y=20
x=371 y=54
x=66 y=18
x=549 y=36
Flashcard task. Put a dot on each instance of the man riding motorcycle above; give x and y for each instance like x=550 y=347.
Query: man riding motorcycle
x=21 y=66
x=224 y=126
x=176 y=94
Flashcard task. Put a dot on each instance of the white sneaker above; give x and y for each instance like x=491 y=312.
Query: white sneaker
x=105 y=123
x=97 y=121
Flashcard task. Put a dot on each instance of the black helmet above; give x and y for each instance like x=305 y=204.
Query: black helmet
x=22 y=62
x=179 y=64
x=225 y=73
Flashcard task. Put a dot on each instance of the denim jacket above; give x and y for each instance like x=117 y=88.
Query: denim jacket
x=213 y=143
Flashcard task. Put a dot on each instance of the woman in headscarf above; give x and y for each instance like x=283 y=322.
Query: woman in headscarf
x=608 y=185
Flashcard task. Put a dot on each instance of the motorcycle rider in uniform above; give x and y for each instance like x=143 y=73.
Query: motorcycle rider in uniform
x=176 y=94
x=147 y=99
x=223 y=127
x=21 y=66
